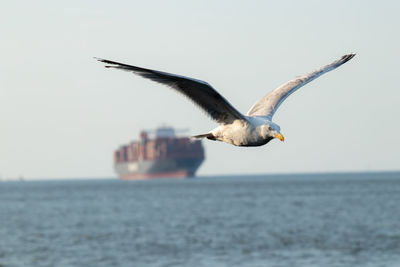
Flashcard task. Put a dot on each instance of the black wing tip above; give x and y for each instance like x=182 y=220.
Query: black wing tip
x=112 y=63
x=347 y=57
x=105 y=60
x=100 y=59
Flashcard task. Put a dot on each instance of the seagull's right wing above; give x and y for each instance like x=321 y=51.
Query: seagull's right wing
x=267 y=105
x=200 y=92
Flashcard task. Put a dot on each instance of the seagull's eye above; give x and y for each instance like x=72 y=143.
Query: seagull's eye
x=269 y=128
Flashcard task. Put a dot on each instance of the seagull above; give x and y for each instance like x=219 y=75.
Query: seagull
x=253 y=129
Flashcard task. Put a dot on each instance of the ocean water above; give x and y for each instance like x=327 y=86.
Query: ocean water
x=282 y=220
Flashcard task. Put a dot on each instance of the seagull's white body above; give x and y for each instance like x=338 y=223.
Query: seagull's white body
x=253 y=129
x=250 y=132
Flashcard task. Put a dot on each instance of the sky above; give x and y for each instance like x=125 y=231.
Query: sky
x=62 y=113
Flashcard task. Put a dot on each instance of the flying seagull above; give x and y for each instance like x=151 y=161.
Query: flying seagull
x=253 y=129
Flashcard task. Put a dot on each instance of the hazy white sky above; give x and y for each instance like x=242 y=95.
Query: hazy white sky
x=62 y=113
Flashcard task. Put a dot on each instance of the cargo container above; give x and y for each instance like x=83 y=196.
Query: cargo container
x=158 y=154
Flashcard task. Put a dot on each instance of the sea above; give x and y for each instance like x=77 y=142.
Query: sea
x=344 y=219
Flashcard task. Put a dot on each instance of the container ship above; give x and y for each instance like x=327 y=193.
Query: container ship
x=159 y=154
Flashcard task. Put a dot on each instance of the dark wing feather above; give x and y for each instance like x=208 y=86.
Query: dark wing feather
x=200 y=92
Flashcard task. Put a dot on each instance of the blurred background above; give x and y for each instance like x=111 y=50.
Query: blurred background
x=62 y=113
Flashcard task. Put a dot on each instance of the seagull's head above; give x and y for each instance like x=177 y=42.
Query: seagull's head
x=272 y=130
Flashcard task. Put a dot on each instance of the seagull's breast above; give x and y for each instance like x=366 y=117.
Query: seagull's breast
x=240 y=133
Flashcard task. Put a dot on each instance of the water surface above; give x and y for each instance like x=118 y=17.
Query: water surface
x=271 y=220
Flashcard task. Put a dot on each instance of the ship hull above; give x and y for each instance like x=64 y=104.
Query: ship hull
x=161 y=168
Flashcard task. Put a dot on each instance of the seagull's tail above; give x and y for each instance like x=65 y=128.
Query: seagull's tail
x=207 y=135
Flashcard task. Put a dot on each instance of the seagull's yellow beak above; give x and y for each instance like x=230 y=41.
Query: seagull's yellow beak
x=280 y=137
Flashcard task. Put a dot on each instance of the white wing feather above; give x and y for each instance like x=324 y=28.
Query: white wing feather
x=268 y=105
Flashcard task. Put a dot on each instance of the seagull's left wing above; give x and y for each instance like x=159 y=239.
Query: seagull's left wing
x=268 y=105
x=200 y=92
